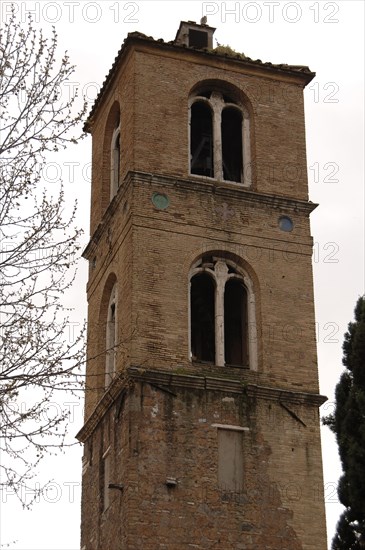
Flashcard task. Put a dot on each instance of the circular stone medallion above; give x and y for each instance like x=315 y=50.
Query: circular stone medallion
x=160 y=201
x=286 y=223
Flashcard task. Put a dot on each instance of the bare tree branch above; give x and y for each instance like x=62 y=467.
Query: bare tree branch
x=39 y=245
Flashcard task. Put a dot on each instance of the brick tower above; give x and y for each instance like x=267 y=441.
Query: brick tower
x=201 y=414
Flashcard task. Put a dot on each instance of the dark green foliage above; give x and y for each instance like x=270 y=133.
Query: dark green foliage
x=348 y=423
x=345 y=537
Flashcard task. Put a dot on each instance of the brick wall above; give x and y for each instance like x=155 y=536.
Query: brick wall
x=159 y=417
x=161 y=432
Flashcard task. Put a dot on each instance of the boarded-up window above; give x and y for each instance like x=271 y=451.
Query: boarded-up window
x=230 y=460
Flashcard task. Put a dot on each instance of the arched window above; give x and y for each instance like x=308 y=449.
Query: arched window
x=202 y=317
x=201 y=141
x=115 y=162
x=222 y=314
x=111 y=169
x=111 y=337
x=219 y=137
x=232 y=161
x=235 y=323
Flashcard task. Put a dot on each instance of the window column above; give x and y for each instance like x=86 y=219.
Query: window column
x=221 y=273
x=216 y=100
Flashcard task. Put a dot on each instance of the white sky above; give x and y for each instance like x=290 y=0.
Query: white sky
x=326 y=36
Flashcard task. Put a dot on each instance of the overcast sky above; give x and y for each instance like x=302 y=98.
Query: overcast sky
x=326 y=36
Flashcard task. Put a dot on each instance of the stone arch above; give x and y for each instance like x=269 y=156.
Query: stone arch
x=232 y=114
x=225 y=267
x=111 y=155
x=108 y=316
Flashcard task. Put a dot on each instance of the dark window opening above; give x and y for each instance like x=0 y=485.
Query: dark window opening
x=235 y=323
x=202 y=318
x=232 y=144
x=115 y=163
x=117 y=159
x=201 y=140
x=198 y=39
x=112 y=313
x=111 y=339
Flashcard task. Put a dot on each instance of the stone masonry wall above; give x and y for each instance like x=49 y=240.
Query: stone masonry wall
x=157 y=433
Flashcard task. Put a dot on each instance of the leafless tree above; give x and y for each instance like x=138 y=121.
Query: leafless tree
x=38 y=250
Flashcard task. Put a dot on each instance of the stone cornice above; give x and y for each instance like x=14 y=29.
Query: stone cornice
x=285 y=395
x=115 y=389
x=218 y=188
x=225 y=189
x=167 y=381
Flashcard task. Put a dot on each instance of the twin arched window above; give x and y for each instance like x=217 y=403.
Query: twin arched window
x=222 y=317
x=219 y=137
x=222 y=311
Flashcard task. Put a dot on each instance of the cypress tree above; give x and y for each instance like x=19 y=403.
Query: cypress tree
x=348 y=423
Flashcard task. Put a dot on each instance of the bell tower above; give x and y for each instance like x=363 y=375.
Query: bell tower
x=201 y=408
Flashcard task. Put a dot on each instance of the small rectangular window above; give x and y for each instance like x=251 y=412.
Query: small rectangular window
x=230 y=460
x=198 y=39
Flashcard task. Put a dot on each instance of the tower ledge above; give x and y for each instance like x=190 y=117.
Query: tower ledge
x=171 y=381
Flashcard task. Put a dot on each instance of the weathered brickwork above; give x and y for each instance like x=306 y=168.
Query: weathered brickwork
x=153 y=99
x=157 y=432
x=163 y=435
